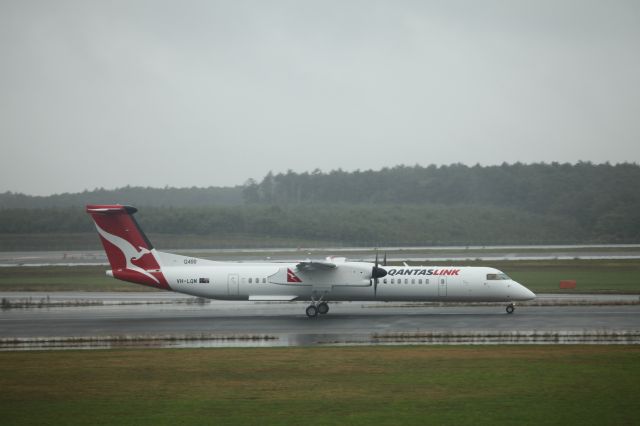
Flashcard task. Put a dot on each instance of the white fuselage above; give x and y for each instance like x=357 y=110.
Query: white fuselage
x=350 y=281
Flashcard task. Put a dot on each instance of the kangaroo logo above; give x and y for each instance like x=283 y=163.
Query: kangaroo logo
x=292 y=277
x=129 y=251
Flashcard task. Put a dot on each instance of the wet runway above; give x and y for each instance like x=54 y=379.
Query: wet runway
x=286 y=323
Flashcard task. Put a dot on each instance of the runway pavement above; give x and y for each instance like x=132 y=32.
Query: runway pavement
x=285 y=324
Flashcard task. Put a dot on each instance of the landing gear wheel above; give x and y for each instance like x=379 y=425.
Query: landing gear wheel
x=510 y=309
x=312 y=311
x=323 y=308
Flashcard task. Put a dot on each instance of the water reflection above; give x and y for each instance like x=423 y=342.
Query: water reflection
x=526 y=338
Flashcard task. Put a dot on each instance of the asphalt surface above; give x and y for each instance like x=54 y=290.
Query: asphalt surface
x=168 y=314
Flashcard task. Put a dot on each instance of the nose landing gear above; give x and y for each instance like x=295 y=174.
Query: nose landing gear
x=510 y=308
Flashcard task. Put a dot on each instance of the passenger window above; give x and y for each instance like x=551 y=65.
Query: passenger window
x=426 y=281
x=413 y=281
x=406 y=281
x=392 y=281
x=249 y=280
x=384 y=281
x=264 y=281
x=420 y=281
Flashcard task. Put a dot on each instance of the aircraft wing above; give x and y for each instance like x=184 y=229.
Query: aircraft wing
x=309 y=266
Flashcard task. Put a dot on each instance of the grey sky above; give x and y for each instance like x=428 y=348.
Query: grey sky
x=182 y=93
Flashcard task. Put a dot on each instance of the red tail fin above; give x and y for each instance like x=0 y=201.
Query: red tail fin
x=130 y=253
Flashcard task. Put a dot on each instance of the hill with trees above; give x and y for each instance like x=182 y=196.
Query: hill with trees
x=596 y=196
x=455 y=204
x=133 y=195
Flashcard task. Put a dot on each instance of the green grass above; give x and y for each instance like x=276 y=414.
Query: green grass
x=599 y=281
x=592 y=276
x=63 y=278
x=531 y=385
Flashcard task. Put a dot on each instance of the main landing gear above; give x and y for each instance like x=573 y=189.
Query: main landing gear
x=510 y=308
x=317 y=308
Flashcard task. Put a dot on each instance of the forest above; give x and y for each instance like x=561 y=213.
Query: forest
x=404 y=205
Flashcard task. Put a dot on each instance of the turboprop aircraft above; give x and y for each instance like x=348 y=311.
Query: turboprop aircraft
x=133 y=258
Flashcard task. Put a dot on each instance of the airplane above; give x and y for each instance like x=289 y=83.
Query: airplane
x=134 y=259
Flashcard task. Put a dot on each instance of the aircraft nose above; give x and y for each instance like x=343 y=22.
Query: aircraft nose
x=523 y=293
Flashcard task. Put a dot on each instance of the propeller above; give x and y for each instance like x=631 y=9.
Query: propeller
x=377 y=272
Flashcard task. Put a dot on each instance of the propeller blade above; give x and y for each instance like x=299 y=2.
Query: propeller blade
x=375 y=276
x=384 y=261
x=376 y=273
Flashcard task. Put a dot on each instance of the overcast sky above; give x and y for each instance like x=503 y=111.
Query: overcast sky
x=183 y=93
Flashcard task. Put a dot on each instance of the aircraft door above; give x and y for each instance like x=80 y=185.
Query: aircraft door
x=233 y=284
x=442 y=286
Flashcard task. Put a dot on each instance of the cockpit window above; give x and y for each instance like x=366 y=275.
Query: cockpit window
x=497 y=277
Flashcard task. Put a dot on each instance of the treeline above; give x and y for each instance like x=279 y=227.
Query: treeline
x=349 y=225
x=602 y=196
x=133 y=195
x=455 y=204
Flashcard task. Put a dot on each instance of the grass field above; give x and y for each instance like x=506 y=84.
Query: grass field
x=63 y=278
x=530 y=385
x=592 y=276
